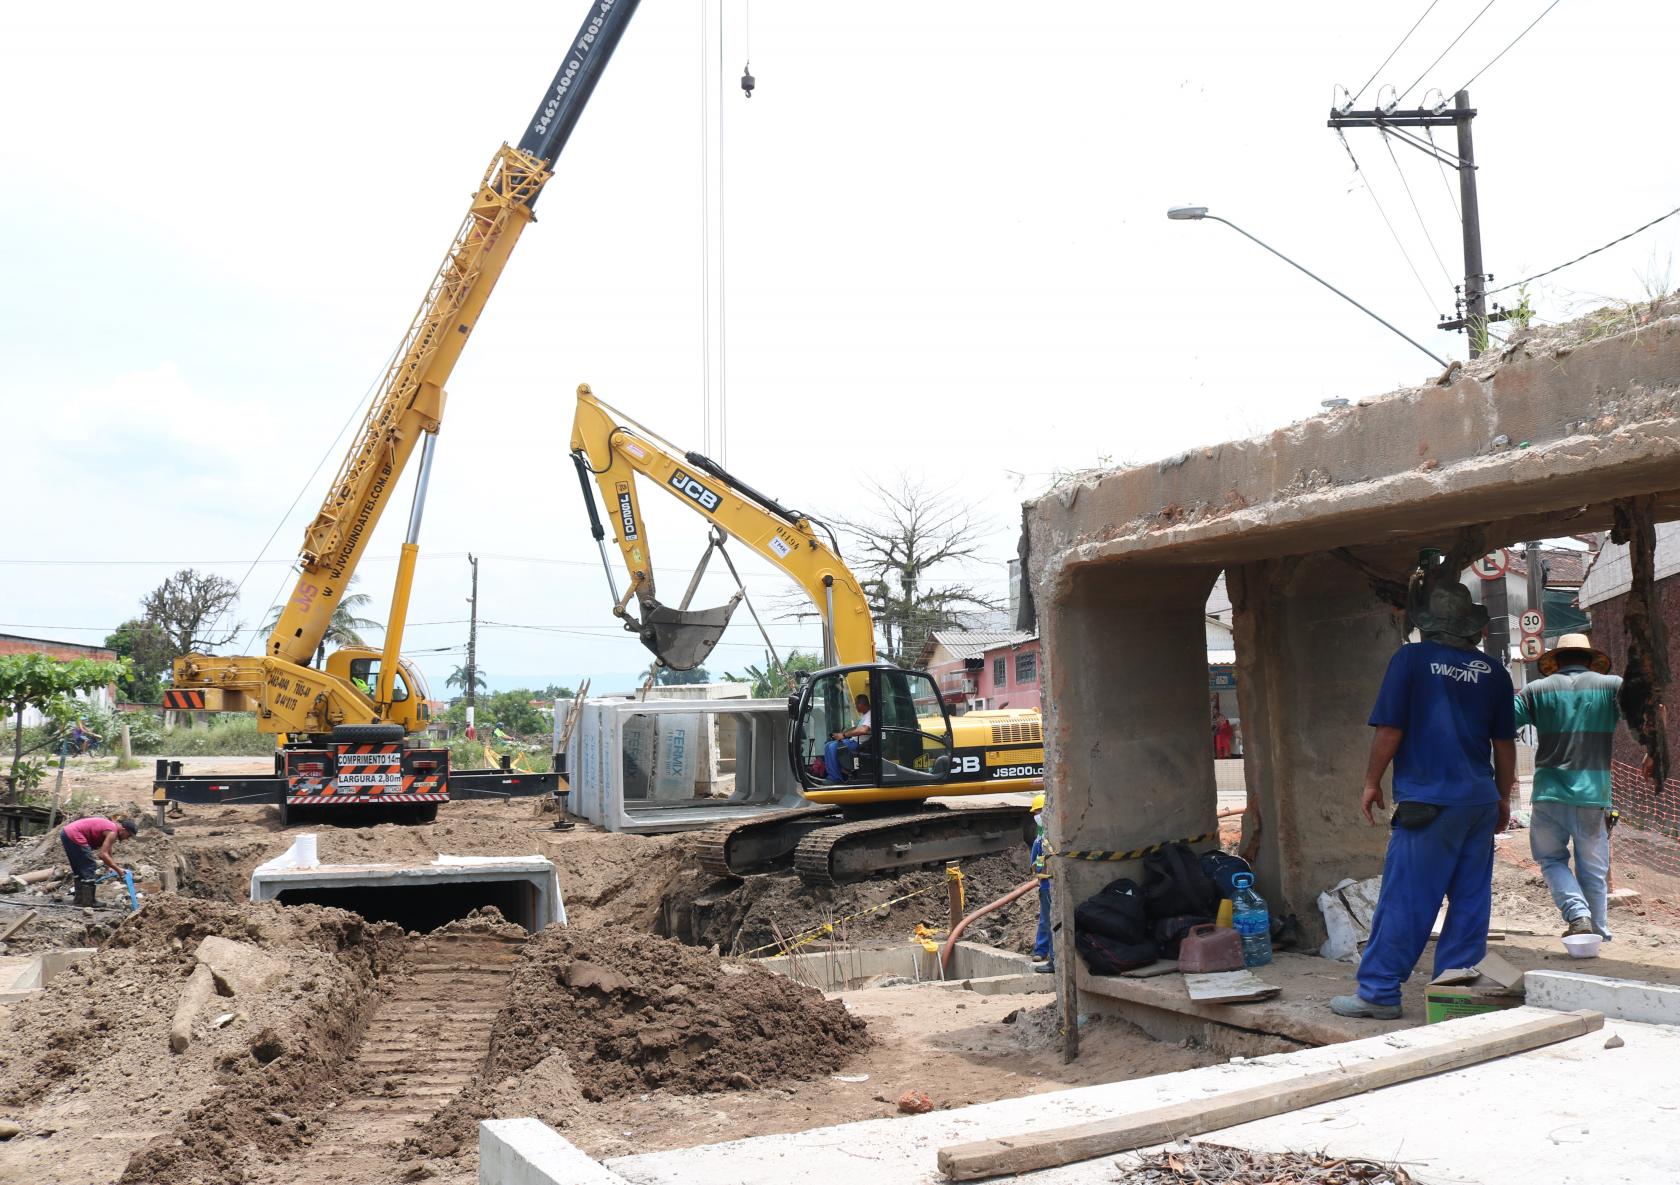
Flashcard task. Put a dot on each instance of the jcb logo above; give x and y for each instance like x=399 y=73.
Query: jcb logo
x=965 y=765
x=706 y=499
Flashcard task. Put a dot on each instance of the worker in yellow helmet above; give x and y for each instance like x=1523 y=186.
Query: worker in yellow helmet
x=1042 y=958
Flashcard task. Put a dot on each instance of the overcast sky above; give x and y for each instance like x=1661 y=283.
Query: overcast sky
x=945 y=255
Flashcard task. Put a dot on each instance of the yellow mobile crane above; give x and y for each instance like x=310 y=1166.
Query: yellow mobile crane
x=872 y=815
x=344 y=726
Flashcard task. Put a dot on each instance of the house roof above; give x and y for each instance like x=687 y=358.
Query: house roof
x=1565 y=567
x=971 y=643
x=1611 y=573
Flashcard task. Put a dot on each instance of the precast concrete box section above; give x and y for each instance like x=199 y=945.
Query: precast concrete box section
x=1317 y=527
x=418 y=897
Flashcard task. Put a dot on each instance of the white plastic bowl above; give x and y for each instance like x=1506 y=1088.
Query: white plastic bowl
x=1582 y=946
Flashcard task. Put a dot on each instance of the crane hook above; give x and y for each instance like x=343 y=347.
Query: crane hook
x=747 y=80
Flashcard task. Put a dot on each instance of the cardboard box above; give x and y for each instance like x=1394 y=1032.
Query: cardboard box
x=1496 y=985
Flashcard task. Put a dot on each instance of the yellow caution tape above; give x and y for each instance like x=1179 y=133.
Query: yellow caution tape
x=1135 y=853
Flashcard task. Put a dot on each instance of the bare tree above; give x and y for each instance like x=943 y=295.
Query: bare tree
x=187 y=609
x=915 y=535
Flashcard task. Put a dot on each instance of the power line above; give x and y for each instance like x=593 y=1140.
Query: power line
x=1507 y=49
x=1365 y=184
x=1439 y=164
x=1588 y=255
x=1422 y=225
x=1401 y=96
x=1396 y=49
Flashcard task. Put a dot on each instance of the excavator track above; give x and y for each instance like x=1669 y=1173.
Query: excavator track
x=757 y=845
x=845 y=852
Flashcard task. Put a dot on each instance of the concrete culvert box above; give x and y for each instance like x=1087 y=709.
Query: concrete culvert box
x=418 y=897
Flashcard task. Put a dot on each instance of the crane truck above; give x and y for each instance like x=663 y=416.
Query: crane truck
x=872 y=816
x=344 y=726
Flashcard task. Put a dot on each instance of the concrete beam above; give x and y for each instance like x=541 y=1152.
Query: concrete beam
x=1618 y=999
x=529 y=1152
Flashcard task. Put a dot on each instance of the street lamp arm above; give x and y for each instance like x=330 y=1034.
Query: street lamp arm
x=1216 y=218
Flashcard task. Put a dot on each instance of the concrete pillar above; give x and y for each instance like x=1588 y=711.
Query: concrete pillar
x=1129 y=754
x=1312 y=644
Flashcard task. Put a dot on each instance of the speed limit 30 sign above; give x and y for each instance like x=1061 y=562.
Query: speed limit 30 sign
x=1532 y=622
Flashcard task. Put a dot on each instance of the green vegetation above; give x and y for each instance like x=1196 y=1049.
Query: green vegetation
x=231 y=735
x=769 y=681
x=48 y=685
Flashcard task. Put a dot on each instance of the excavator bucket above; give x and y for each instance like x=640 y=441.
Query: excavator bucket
x=682 y=638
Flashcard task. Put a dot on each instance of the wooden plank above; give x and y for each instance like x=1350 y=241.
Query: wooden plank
x=19 y=924
x=1158 y=967
x=1159 y=1125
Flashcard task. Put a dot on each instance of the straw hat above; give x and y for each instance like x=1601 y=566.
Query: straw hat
x=1597 y=660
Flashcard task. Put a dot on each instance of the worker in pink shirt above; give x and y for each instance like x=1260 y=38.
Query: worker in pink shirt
x=89 y=843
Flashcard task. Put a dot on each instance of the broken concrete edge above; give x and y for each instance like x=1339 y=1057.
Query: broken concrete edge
x=39 y=970
x=529 y=1152
x=1617 y=999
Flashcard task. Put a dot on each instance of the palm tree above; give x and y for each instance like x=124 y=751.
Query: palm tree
x=345 y=628
x=458 y=678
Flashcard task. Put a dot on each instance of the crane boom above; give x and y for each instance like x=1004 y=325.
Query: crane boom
x=411 y=397
x=404 y=414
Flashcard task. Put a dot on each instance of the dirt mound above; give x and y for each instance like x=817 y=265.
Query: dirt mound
x=601 y=1014
x=634 y=1012
x=87 y=1066
x=746 y=915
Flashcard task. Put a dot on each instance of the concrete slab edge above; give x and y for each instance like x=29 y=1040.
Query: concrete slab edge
x=998 y=985
x=529 y=1152
x=1617 y=999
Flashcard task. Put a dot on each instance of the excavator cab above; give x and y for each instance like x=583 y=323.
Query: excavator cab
x=908 y=745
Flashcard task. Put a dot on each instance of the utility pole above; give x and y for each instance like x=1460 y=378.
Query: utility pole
x=1472 y=310
x=1533 y=556
x=1470 y=214
x=472 y=647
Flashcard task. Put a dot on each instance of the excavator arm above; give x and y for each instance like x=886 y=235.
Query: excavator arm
x=612 y=451
x=405 y=414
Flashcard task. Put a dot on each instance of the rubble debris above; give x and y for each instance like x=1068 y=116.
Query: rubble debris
x=1218 y=1164
x=914 y=1102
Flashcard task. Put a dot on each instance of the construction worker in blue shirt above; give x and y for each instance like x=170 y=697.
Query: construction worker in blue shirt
x=1573 y=707
x=1042 y=956
x=1444 y=718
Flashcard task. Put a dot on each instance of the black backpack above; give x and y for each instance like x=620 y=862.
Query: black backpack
x=1106 y=956
x=1169 y=932
x=1115 y=912
x=1174 y=885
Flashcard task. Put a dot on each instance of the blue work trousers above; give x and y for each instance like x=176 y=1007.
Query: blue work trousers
x=1041 y=942
x=831 y=758
x=1585 y=891
x=1450 y=858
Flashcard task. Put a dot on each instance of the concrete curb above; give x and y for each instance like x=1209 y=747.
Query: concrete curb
x=529 y=1152
x=1618 y=999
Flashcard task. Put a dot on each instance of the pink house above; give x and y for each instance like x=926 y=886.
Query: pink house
x=1009 y=675
x=959 y=662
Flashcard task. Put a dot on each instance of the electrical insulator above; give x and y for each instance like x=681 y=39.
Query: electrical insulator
x=747 y=80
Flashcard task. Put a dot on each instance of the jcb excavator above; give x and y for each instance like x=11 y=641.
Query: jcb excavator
x=345 y=726
x=872 y=815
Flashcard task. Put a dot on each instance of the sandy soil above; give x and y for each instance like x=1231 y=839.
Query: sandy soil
x=623 y=1040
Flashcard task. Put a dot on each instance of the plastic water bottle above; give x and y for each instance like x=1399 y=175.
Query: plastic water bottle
x=1250 y=919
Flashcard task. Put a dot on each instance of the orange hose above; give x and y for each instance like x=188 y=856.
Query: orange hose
x=1014 y=894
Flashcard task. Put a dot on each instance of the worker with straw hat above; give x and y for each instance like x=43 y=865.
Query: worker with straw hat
x=1574 y=709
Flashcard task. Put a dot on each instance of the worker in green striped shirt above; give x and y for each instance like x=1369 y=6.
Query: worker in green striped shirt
x=1574 y=709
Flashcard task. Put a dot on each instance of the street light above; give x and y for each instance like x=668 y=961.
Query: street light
x=1198 y=213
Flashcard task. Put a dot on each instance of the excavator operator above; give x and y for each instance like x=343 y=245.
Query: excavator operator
x=847 y=739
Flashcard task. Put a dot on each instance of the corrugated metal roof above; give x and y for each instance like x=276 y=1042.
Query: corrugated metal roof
x=974 y=643
x=1611 y=574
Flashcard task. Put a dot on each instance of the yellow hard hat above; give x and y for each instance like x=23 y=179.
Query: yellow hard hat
x=1037 y=803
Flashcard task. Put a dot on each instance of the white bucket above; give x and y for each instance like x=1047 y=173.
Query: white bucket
x=1580 y=946
x=304 y=853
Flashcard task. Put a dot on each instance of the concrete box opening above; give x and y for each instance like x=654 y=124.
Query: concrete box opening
x=424 y=907
x=418 y=897
x=649 y=766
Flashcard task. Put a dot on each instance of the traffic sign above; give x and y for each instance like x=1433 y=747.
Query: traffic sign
x=1493 y=565
x=1532 y=647
x=1531 y=622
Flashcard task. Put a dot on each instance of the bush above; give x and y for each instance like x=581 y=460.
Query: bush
x=465 y=754
x=230 y=735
